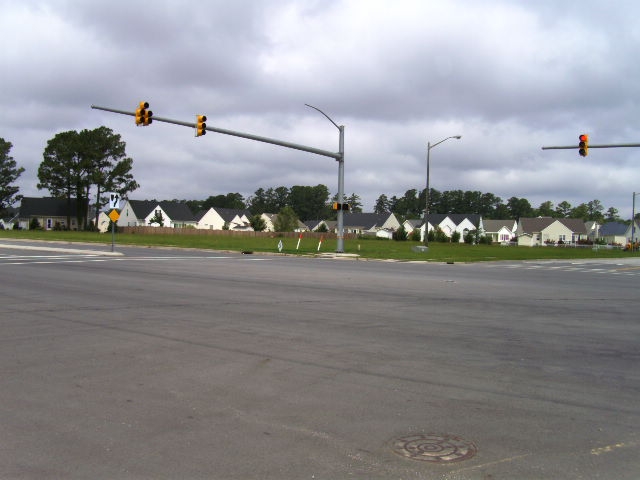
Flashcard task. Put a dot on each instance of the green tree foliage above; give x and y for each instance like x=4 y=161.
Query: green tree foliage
x=9 y=173
x=519 y=207
x=546 y=210
x=612 y=215
x=286 y=221
x=257 y=223
x=230 y=200
x=400 y=234
x=157 y=218
x=563 y=210
x=309 y=203
x=74 y=162
x=383 y=205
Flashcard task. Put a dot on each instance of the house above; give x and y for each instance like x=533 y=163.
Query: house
x=411 y=224
x=217 y=218
x=465 y=223
x=315 y=225
x=617 y=233
x=369 y=223
x=500 y=231
x=547 y=230
x=138 y=213
x=270 y=221
x=441 y=221
x=9 y=218
x=49 y=212
x=593 y=230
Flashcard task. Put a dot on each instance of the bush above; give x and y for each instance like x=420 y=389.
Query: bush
x=400 y=234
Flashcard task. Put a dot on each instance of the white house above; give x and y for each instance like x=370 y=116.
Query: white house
x=369 y=223
x=500 y=231
x=217 y=218
x=139 y=213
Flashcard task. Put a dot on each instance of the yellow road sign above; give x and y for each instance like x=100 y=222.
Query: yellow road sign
x=114 y=216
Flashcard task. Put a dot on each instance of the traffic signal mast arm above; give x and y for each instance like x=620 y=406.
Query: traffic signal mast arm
x=336 y=155
x=572 y=147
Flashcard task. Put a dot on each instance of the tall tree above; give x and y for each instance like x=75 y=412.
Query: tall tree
x=563 y=209
x=9 y=173
x=230 y=200
x=519 y=207
x=73 y=162
x=309 y=202
x=382 y=205
x=108 y=167
x=612 y=215
x=355 y=203
x=60 y=170
x=546 y=209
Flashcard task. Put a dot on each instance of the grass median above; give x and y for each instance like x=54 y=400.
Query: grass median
x=366 y=248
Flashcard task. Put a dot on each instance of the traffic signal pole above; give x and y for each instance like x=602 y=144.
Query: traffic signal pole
x=571 y=147
x=338 y=156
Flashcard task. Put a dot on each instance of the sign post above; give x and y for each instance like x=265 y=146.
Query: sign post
x=114 y=215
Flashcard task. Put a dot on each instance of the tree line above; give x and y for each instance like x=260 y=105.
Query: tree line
x=313 y=203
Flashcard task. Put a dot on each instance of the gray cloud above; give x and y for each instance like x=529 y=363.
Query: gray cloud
x=510 y=76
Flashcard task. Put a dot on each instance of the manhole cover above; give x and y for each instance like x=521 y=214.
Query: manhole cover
x=434 y=448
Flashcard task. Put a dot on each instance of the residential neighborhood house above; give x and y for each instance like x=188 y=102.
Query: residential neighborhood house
x=547 y=230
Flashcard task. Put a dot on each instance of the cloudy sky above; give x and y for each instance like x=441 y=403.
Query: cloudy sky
x=509 y=76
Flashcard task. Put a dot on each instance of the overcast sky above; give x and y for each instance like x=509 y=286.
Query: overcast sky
x=509 y=76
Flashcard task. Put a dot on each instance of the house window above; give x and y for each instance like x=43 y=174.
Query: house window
x=562 y=238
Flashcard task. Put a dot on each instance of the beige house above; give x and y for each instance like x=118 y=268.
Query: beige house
x=546 y=230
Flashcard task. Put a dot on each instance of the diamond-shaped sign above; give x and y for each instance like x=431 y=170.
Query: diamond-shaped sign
x=114 y=215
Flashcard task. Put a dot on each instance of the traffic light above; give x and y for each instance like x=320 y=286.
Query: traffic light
x=143 y=114
x=584 y=145
x=341 y=206
x=201 y=126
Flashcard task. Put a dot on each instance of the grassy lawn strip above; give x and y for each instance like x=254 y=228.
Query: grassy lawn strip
x=366 y=248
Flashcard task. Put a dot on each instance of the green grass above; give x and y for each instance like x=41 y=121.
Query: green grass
x=366 y=248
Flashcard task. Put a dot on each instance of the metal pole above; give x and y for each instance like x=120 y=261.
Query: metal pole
x=340 y=242
x=633 y=222
x=249 y=136
x=426 y=207
x=619 y=145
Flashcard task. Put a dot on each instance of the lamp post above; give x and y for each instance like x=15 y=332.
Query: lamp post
x=340 y=160
x=426 y=209
x=633 y=221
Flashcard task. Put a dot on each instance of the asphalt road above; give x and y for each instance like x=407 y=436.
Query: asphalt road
x=164 y=364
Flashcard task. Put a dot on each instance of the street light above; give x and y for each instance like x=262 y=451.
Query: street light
x=633 y=221
x=340 y=235
x=426 y=209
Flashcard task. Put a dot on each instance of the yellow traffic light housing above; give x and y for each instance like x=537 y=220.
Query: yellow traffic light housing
x=143 y=114
x=583 y=145
x=201 y=126
x=341 y=206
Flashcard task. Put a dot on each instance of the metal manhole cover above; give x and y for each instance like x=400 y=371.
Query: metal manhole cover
x=434 y=448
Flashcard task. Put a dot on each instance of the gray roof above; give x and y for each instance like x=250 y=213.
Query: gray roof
x=495 y=225
x=365 y=220
x=47 y=206
x=176 y=211
x=229 y=214
x=534 y=225
x=613 y=228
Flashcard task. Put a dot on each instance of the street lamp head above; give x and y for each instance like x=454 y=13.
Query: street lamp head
x=458 y=137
